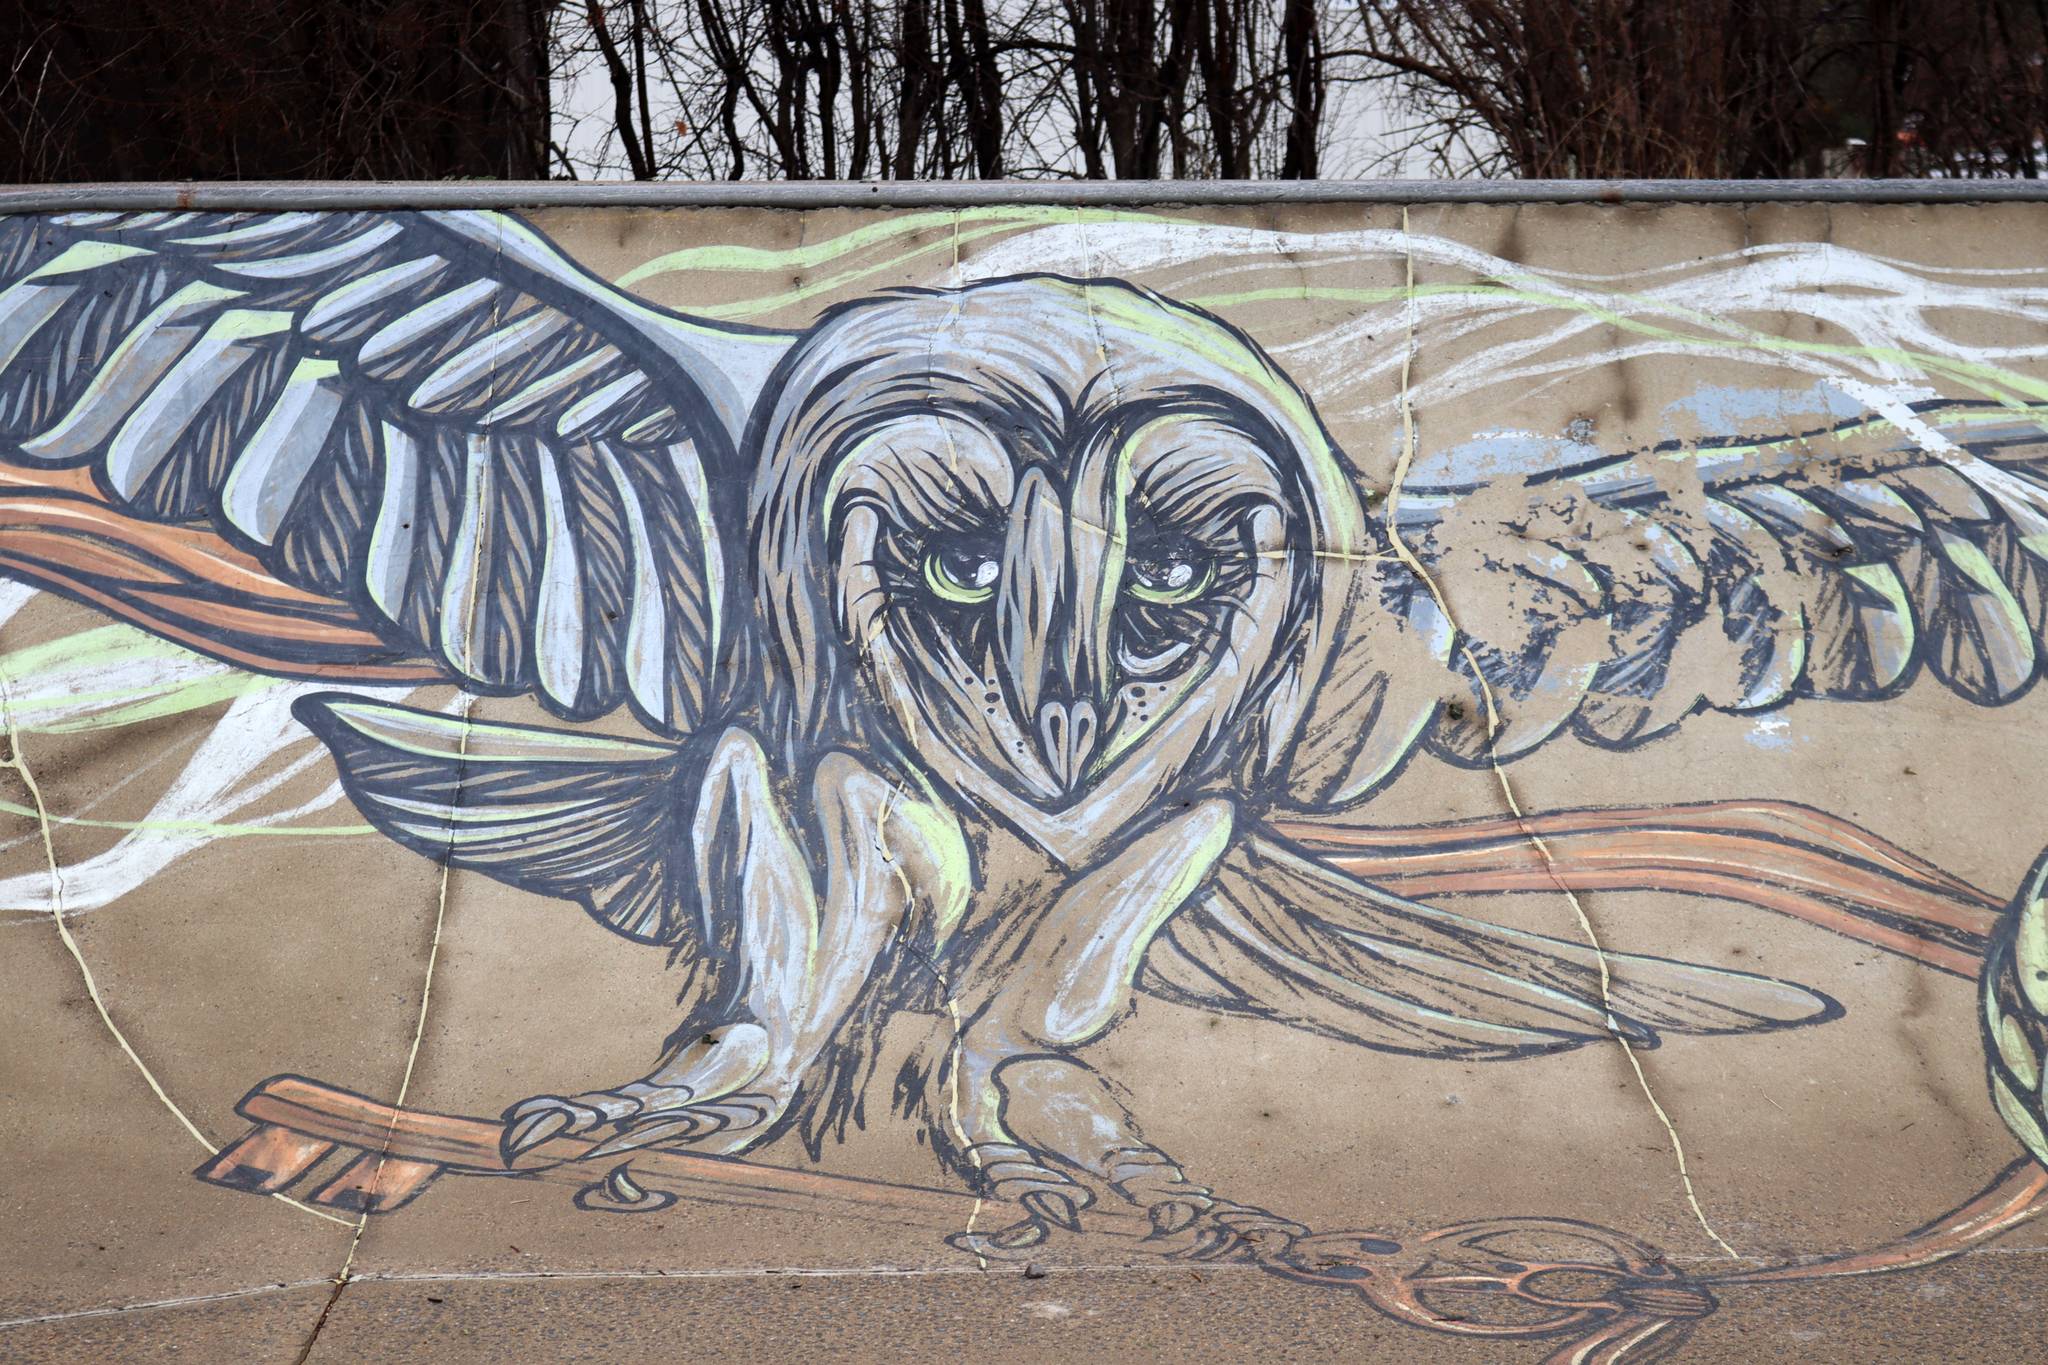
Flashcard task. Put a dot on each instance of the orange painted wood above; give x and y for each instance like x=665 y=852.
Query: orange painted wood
x=265 y=1160
x=375 y=1183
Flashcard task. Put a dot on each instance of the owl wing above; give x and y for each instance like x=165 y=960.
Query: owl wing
x=502 y=463
x=582 y=817
x=1612 y=596
x=1281 y=935
x=1618 y=596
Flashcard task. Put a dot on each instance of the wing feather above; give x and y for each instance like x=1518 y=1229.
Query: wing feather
x=1739 y=576
x=1283 y=936
x=581 y=817
x=510 y=466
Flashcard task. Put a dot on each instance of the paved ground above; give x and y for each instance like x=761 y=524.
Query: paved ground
x=1990 y=1307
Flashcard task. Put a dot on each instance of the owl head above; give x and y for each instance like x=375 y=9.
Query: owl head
x=1059 y=537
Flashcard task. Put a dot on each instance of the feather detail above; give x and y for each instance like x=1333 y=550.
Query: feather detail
x=581 y=817
x=1284 y=937
x=512 y=467
x=1622 y=594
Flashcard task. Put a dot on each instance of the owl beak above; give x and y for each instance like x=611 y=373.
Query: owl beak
x=1066 y=738
x=1044 y=632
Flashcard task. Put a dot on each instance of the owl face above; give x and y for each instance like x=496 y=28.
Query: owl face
x=1055 y=532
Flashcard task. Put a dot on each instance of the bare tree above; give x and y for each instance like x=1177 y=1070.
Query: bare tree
x=799 y=89
x=946 y=89
x=1722 y=88
x=1602 y=88
x=224 y=89
x=1956 y=89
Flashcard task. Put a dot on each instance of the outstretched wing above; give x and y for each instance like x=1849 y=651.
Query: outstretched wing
x=1614 y=596
x=501 y=462
x=1282 y=936
x=582 y=817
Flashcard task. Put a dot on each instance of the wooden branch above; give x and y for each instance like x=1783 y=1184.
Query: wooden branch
x=300 y=1123
x=1775 y=855
x=1633 y=1301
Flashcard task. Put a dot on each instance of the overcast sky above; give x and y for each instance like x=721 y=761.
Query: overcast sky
x=1360 y=129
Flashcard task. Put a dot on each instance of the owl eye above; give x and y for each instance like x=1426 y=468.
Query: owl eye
x=964 y=574
x=1169 y=579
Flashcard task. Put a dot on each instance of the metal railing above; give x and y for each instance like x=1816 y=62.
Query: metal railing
x=488 y=194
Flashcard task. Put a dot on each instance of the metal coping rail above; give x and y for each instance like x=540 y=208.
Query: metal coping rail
x=813 y=194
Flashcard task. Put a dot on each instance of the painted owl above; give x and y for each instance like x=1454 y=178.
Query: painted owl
x=979 y=639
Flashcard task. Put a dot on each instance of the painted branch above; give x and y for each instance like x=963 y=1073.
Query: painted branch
x=187 y=584
x=1776 y=855
x=334 y=1117
x=2016 y=1195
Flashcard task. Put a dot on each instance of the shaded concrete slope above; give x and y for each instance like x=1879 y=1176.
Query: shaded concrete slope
x=1435 y=784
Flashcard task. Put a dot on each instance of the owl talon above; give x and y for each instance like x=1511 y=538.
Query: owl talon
x=1004 y=1243
x=1228 y=1228
x=687 y=1123
x=532 y=1122
x=1054 y=1208
x=1173 y=1216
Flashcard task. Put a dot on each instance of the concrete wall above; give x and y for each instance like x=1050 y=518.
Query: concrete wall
x=1095 y=762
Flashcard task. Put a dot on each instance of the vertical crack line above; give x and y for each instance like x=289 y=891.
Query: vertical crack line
x=17 y=759
x=346 y=1274
x=889 y=803
x=1088 y=276
x=419 y=1029
x=1407 y=556
x=954 y=1061
x=960 y=1129
x=950 y=327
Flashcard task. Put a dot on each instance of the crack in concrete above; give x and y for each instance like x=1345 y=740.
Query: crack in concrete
x=881 y=830
x=880 y=1272
x=953 y=1066
x=1150 y=1269
x=1415 y=566
x=17 y=760
x=346 y=1275
x=179 y=1301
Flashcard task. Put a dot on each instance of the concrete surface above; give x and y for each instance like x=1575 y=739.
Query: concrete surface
x=248 y=952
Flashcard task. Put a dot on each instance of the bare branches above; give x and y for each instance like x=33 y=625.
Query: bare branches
x=222 y=89
x=1719 y=88
x=639 y=153
x=795 y=89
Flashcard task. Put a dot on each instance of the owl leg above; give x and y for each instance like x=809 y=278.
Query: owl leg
x=1064 y=1124
x=798 y=962
x=1042 y=1128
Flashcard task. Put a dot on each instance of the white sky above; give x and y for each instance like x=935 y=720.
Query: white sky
x=1359 y=128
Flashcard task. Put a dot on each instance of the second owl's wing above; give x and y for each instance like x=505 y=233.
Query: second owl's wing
x=1610 y=597
x=503 y=464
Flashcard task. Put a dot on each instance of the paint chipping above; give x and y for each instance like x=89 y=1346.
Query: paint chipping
x=1493 y=726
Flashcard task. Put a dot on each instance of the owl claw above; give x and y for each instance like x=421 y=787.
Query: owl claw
x=524 y=1134
x=1179 y=1207
x=1003 y=1243
x=1173 y=1216
x=1227 y=1228
x=734 y=1114
x=532 y=1122
x=1053 y=1208
x=654 y=1117
x=1019 y=1236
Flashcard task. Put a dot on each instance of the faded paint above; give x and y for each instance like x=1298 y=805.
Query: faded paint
x=1061 y=740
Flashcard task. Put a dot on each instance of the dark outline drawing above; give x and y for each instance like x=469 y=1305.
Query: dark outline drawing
x=1003 y=651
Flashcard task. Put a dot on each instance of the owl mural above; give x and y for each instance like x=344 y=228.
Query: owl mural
x=986 y=649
